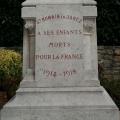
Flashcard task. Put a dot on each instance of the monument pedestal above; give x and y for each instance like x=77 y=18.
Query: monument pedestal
x=85 y=103
x=60 y=67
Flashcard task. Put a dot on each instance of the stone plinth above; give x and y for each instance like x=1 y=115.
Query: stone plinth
x=60 y=68
x=85 y=103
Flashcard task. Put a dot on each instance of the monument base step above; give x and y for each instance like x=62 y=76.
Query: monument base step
x=30 y=82
x=84 y=83
x=84 y=103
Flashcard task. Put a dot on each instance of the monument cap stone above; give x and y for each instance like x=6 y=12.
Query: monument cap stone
x=89 y=8
x=36 y=2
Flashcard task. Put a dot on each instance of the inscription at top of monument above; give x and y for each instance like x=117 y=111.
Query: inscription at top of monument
x=59 y=45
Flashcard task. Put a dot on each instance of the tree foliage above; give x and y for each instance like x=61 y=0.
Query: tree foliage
x=11 y=24
x=108 y=22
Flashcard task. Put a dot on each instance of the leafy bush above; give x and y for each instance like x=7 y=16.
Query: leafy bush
x=10 y=71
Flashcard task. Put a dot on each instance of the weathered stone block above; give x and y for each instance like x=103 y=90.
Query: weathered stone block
x=60 y=67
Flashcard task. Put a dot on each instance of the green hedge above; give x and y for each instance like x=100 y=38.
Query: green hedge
x=10 y=71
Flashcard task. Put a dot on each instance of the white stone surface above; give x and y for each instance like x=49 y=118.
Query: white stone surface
x=88 y=103
x=87 y=96
x=87 y=11
x=37 y=2
x=61 y=113
x=88 y=52
x=75 y=97
x=59 y=45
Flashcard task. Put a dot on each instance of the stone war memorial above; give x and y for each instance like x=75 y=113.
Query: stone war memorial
x=60 y=68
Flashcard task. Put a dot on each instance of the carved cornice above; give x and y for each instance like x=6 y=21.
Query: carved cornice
x=30 y=26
